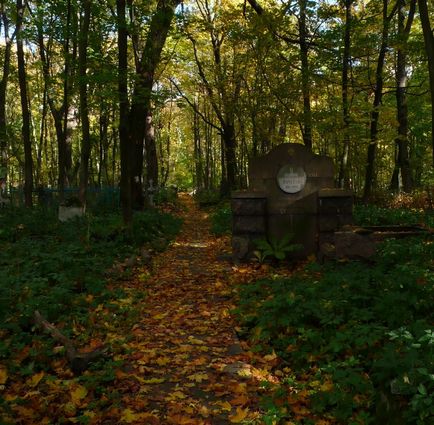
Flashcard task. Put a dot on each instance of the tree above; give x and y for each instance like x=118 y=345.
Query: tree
x=428 y=35
x=27 y=139
x=125 y=148
x=343 y=180
x=140 y=116
x=402 y=177
x=84 y=105
x=9 y=39
x=378 y=97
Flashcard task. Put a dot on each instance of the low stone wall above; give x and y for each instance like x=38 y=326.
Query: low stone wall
x=249 y=212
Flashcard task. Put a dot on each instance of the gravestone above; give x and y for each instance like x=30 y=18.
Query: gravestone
x=283 y=198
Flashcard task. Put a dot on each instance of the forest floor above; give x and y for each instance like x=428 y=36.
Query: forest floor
x=193 y=368
x=173 y=353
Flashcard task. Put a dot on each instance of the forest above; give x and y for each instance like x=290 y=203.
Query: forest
x=115 y=94
x=127 y=129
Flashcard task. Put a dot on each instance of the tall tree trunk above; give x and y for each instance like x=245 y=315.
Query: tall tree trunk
x=197 y=151
x=151 y=150
x=305 y=76
x=42 y=138
x=63 y=123
x=125 y=145
x=343 y=179
x=402 y=175
x=3 y=91
x=378 y=97
x=140 y=118
x=230 y=160
x=84 y=109
x=28 y=161
x=428 y=36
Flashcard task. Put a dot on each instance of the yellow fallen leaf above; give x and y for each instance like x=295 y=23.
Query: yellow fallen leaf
x=178 y=395
x=69 y=409
x=128 y=416
x=163 y=361
x=195 y=341
x=198 y=377
x=153 y=381
x=239 y=416
x=327 y=386
x=3 y=375
x=35 y=379
x=224 y=405
x=78 y=394
x=270 y=357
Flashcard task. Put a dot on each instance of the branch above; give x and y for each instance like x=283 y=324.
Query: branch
x=79 y=362
x=194 y=107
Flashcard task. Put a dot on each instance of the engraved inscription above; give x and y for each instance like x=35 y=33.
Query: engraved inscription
x=291 y=179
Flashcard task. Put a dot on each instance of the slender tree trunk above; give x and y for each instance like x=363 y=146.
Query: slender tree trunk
x=42 y=137
x=378 y=97
x=3 y=91
x=84 y=108
x=151 y=151
x=402 y=174
x=103 y=143
x=125 y=148
x=28 y=161
x=230 y=160
x=140 y=118
x=343 y=180
x=305 y=76
x=429 y=48
x=62 y=123
x=197 y=151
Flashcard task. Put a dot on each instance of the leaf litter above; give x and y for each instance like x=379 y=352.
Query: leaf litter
x=173 y=364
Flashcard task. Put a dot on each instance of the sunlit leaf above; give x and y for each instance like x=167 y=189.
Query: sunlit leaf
x=35 y=379
x=78 y=394
x=3 y=375
x=239 y=415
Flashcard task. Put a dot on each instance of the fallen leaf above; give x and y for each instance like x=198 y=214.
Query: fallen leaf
x=152 y=381
x=195 y=341
x=241 y=400
x=163 y=361
x=78 y=394
x=239 y=416
x=224 y=405
x=177 y=395
x=3 y=375
x=35 y=379
x=198 y=377
x=128 y=416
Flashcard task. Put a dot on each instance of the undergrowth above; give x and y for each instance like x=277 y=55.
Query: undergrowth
x=356 y=340
x=62 y=269
x=221 y=220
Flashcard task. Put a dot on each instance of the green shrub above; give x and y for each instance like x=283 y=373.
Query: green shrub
x=367 y=329
x=372 y=215
x=206 y=198
x=221 y=220
x=51 y=266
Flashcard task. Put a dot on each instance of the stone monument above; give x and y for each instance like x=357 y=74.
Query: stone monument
x=291 y=191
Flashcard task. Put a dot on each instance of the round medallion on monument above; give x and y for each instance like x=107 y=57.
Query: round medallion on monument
x=291 y=179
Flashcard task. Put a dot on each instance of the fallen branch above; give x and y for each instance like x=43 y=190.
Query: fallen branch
x=78 y=362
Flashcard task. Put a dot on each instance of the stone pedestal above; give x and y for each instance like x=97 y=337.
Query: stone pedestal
x=290 y=193
x=249 y=222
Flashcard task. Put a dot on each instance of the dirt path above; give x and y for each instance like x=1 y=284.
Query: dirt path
x=184 y=352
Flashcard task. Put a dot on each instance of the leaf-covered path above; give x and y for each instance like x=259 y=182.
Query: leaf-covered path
x=184 y=353
x=173 y=354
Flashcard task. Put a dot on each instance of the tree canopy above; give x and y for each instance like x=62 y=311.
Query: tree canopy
x=126 y=93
